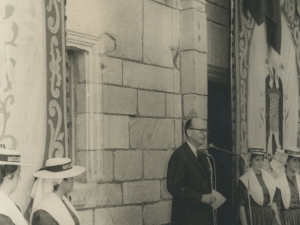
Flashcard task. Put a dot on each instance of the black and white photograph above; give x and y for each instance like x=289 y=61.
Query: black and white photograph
x=149 y=112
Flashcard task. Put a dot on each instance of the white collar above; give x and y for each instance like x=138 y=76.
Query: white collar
x=52 y=204
x=8 y=208
x=193 y=148
x=255 y=188
x=282 y=184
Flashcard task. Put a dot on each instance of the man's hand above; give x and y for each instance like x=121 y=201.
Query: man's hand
x=208 y=198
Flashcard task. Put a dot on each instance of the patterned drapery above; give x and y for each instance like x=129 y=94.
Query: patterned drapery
x=266 y=82
x=32 y=84
x=56 y=142
x=22 y=86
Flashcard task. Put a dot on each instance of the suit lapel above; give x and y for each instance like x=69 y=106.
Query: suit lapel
x=199 y=163
x=204 y=161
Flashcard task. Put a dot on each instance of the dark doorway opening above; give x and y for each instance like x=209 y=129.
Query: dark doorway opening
x=220 y=134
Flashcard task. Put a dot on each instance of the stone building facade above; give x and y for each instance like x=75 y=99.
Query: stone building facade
x=136 y=70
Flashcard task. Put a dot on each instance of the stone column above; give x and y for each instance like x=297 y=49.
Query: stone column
x=194 y=58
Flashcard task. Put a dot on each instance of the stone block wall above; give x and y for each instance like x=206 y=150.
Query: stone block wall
x=218 y=29
x=149 y=76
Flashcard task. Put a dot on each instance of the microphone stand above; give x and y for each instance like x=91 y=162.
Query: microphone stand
x=247 y=173
x=211 y=184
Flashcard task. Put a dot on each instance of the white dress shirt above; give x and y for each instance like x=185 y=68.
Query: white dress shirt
x=194 y=150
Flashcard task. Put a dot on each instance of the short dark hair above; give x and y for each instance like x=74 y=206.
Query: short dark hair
x=6 y=170
x=188 y=124
x=289 y=158
x=252 y=156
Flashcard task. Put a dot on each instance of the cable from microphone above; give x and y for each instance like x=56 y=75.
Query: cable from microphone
x=213 y=182
x=211 y=145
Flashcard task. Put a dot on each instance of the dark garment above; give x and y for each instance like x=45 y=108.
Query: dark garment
x=261 y=215
x=291 y=216
x=294 y=192
x=264 y=188
x=41 y=217
x=267 y=11
x=188 y=178
x=76 y=220
x=5 y=220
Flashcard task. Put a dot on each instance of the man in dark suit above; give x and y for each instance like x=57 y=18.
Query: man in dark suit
x=188 y=179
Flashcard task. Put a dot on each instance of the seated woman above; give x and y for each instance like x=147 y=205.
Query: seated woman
x=289 y=185
x=263 y=193
x=50 y=206
x=10 y=170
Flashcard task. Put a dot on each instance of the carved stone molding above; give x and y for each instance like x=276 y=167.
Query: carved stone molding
x=198 y=5
x=92 y=46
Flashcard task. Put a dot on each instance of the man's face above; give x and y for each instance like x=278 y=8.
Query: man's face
x=197 y=133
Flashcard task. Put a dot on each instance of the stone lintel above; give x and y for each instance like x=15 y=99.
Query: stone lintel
x=198 y=5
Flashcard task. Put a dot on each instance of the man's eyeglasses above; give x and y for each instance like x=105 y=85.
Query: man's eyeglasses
x=203 y=131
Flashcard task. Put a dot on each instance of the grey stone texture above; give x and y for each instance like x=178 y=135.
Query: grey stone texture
x=108 y=166
x=149 y=77
x=141 y=191
x=194 y=31
x=94 y=195
x=193 y=73
x=155 y=164
x=112 y=70
x=116 y=133
x=93 y=162
x=160 y=38
x=195 y=106
x=173 y=105
x=86 y=217
x=151 y=103
x=113 y=17
x=147 y=133
x=128 y=165
x=126 y=215
x=119 y=100
x=159 y=213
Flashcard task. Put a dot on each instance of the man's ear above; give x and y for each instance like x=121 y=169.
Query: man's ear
x=188 y=132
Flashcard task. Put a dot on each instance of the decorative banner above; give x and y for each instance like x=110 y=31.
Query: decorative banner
x=56 y=143
x=266 y=74
x=22 y=87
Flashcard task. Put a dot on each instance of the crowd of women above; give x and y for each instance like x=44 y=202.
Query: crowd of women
x=50 y=206
x=264 y=200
